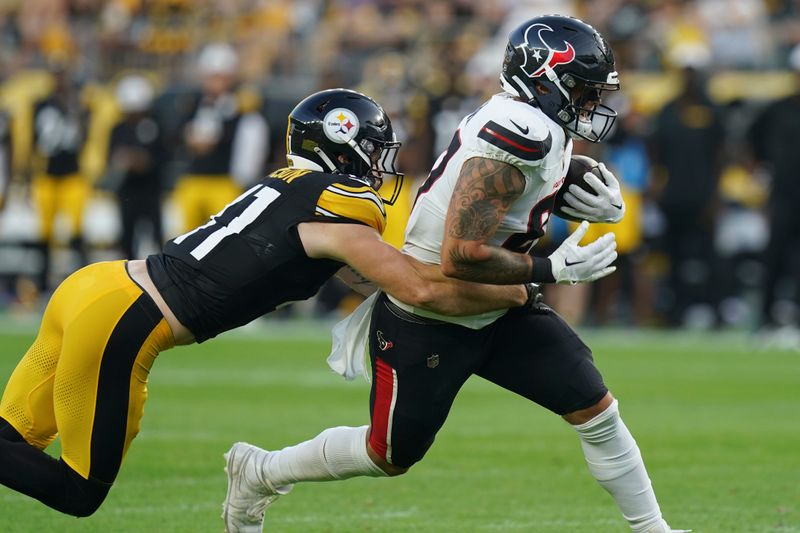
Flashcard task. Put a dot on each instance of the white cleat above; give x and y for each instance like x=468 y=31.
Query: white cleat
x=663 y=527
x=245 y=504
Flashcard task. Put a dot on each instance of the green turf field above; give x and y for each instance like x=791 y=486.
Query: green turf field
x=718 y=424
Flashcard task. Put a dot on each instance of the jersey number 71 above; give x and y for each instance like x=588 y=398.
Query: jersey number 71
x=259 y=198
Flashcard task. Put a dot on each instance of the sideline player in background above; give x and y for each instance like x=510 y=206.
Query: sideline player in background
x=773 y=137
x=5 y=157
x=60 y=122
x=484 y=205
x=225 y=143
x=135 y=155
x=85 y=376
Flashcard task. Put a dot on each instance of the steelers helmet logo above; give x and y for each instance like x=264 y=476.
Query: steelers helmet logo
x=340 y=125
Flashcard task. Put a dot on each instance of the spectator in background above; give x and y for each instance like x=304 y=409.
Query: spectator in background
x=775 y=138
x=5 y=157
x=60 y=124
x=738 y=32
x=742 y=232
x=626 y=155
x=687 y=142
x=226 y=141
x=135 y=154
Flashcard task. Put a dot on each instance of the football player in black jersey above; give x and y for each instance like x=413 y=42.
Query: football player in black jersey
x=224 y=139
x=84 y=378
x=60 y=125
x=134 y=175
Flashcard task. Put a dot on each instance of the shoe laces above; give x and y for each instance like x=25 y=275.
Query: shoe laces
x=258 y=509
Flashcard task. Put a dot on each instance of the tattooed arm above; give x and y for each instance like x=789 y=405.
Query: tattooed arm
x=483 y=195
x=485 y=190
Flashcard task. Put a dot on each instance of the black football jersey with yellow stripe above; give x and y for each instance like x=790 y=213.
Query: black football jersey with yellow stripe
x=248 y=259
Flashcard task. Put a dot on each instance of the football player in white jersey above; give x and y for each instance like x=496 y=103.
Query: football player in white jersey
x=485 y=203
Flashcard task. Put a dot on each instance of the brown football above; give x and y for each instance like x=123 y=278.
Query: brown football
x=578 y=166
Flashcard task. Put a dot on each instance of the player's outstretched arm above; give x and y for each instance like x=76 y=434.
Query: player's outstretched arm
x=408 y=280
x=455 y=297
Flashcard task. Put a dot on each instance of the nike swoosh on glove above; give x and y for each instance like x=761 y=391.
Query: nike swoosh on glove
x=605 y=206
x=573 y=263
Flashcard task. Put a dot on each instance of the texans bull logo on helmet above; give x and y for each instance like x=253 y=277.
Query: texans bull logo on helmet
x=538 y=44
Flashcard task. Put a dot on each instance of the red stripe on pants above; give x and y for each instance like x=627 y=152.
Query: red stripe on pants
x=384 y=391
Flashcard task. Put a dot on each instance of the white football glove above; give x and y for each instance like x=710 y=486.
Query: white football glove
x=573 y=263
x=606 y=206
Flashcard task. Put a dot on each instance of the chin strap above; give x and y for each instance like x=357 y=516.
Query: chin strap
x=325 y=159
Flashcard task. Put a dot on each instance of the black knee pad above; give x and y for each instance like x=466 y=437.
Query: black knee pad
x=83 y=496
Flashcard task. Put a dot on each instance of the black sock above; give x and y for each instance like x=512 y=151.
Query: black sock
x=32 y=472
x=7 y=432
x=43 y=276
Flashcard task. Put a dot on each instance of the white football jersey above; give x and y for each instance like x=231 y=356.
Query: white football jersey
x=506 y=130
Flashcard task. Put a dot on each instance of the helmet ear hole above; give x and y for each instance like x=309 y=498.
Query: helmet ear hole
x=368 y=146
x=540 y=87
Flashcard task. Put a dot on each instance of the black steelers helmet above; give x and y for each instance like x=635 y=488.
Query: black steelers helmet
x=344 y=132
x=572 y=63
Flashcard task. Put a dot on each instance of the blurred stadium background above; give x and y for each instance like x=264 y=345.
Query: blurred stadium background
x=709 y=243
x=694 y=244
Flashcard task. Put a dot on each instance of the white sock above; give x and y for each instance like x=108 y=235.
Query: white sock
x=615 y=462
x=336 y=453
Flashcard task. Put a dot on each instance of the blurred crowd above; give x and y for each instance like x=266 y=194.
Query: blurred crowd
x=127 y=122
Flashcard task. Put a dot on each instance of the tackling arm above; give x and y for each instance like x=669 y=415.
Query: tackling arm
x=408 y=280
x=358 y=283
